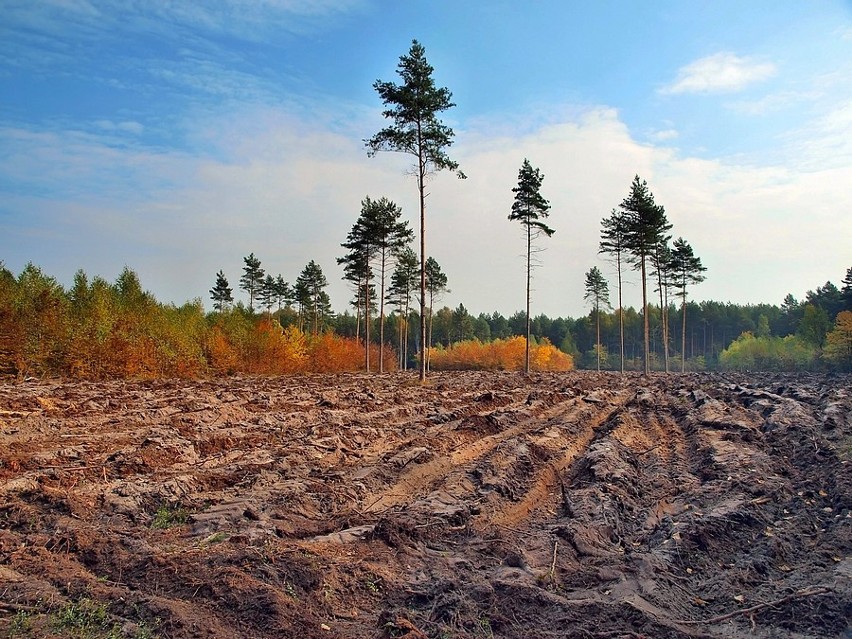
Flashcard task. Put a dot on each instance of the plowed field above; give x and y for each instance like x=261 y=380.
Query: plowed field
x=477 y=505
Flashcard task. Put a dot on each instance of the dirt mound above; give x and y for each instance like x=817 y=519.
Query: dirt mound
x=478 y=505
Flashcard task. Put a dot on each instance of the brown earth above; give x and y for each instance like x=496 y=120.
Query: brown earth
x=478 y=505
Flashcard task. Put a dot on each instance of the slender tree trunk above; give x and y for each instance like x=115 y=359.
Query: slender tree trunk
x=683 y=335
x=646 y=323
x=620 y=310
x=598 y=317
x=431 y=321
x=663 y=319
x=382 y=317
x=367 y=319
x=529 y=256
x=421 y=176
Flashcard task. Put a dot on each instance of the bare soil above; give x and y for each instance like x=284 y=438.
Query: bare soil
x=478 y=505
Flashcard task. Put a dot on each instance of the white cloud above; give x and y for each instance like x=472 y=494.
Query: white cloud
x=664 y=135
x=719 y=73
x=289 y=188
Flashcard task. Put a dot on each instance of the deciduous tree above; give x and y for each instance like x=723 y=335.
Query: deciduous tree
x=530 y=209
x=413 y=108
x=838 y=343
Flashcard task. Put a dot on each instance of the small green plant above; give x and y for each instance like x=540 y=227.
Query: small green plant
x=85 y=619
x=373 y=585
x=168 y=516
x=21 y=624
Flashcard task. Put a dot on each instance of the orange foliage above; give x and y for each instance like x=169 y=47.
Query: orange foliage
x=500 y=354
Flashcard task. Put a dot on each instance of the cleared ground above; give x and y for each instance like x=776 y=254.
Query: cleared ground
x=479 y=505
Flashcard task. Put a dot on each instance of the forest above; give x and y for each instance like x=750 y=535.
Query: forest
x=97 y=329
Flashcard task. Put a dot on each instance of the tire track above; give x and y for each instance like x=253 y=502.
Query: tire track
x=546 y=487
x=420 y=479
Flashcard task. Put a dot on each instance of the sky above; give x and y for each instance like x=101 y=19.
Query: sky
x=176 y=137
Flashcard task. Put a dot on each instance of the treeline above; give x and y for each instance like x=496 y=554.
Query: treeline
x=97 y=330
x=809 y=335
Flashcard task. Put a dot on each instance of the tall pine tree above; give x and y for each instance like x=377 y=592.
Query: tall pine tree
x=221 y=293
x=597 y=294
x=686 y=269
x=413 y=107
x=612 y=243
x=645 y=225
x=252 y=278
x=530 y=209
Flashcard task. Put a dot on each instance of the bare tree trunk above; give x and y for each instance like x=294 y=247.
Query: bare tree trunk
x=646 y=323
x=683 y=335
x=620 y=310
x=664 y=333
x=529 y=256
x=367 y=321
x=421 y=177
x=382 y=317
x=598 y=317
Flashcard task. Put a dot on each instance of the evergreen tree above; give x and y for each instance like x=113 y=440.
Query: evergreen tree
x=530 y=209
x=221 y=293
x=413 y=108
x=645 y=225
x=252 y=278
x=846 y=291
x=403 y=282
x=791 y=314
x=387 y=236
x=283 y=294
x=660 y=268
x=597 y=294
x=314 y=303
x=686 y=269
x=827 y=297
x=357 y=271
x=267 y=292
x=436 y=283
x=612 y=243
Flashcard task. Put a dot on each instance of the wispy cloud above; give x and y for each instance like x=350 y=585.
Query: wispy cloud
x=773 y=102
x=719 y=73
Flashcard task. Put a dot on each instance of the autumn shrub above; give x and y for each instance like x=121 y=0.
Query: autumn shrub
x=500 y=354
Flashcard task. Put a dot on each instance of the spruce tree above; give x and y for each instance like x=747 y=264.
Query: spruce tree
x=413 y=107
x=530 y=209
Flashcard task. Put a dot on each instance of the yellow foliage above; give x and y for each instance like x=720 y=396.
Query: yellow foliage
x=500 y=354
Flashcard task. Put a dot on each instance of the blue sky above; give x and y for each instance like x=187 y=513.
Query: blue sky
x=176 y=137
